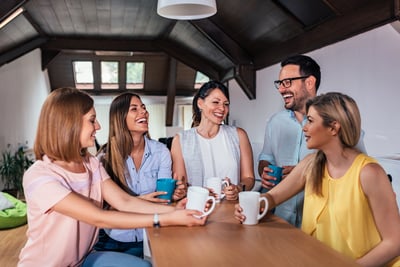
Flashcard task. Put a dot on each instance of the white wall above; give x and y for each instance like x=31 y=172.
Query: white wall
x=23 y=89
x=366 y=67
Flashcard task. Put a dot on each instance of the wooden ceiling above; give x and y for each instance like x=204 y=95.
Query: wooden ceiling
x=243 y=37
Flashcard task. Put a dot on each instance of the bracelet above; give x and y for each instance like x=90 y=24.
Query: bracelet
x=156 y=221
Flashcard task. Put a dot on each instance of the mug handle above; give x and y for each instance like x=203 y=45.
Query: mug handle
x=223 y=185
x=260 y=216
x=212 y=206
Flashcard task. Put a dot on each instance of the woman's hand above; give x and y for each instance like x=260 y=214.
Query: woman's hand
x=286 y=170
x=180 y=190
x=231 y=191
x=238 y=214
x=266 y=178
x=152 y=197
x=183 y=217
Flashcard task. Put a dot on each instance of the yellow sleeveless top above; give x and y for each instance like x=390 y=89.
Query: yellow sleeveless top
x=342 y=218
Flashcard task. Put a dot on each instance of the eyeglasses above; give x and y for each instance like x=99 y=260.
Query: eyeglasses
x=288 y=81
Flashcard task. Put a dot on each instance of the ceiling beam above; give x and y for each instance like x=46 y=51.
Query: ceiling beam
x=21 y=50
x=7 y=7
x=189 y=58
x=48 y=56
x=222 y=41
x=245 y=76
x=171 y=91
x=101 y=44
x=371 y=15
x=243 y=72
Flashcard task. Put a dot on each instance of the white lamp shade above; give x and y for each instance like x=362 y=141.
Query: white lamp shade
x=186 y=9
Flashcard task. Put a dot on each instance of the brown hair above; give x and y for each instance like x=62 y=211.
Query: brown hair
x=60 y=125
x=120 y=142
x=334 y=107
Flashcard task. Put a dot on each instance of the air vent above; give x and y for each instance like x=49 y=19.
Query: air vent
x=114 y=53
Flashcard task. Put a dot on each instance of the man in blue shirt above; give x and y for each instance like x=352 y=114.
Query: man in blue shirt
x=284 y=142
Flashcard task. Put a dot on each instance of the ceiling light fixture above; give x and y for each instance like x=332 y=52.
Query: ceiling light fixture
x=186 y=9
x=11 y=17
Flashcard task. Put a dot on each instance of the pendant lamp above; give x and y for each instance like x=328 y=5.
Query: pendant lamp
x=186 y=9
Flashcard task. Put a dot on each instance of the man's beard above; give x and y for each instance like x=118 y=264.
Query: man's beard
x=299 y=101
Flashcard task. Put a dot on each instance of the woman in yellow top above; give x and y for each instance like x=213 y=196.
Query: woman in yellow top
x=349 y=203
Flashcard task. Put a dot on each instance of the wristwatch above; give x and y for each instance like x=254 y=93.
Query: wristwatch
x=156 y=222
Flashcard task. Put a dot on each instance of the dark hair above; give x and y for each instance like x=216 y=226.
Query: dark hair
x=203 y=92
x=307 y=65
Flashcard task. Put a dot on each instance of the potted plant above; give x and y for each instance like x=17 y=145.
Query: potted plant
x=12 y=168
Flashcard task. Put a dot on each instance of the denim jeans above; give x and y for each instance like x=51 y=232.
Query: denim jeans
x=106 y=243
x=113 y=259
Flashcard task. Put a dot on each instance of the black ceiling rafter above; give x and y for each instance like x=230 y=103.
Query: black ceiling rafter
x=190 y=59
x=21 y=50
x=309 y=13
x=243 y=72
x=103 y=44
x=47 y=56
x=7 y=7
x=171 y=91
x=377 y=13
x=222 y=41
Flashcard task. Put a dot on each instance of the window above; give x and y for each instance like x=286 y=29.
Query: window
x=200 y=79
x=109 y=74
x=83 y=74
x=134 y=75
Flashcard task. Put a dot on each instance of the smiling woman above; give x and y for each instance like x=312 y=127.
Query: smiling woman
x=135 y=162
x=223 y=151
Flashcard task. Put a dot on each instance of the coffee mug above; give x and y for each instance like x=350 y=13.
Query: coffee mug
x=217 y=184
x=166 y=185
x=276 y=172
x=250 y=202
x=197 y=197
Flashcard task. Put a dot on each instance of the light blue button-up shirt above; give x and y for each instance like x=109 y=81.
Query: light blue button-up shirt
x=156 y=163
x=285 y=145
x=284 y=141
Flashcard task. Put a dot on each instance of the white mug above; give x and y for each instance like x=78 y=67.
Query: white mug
x=197 y=197
x=250 y=202
x=216 y=184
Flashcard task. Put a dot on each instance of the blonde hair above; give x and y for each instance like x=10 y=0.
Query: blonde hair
x=60 y=125
x=333 y=107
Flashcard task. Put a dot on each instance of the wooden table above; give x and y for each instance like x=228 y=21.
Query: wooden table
x=225 y=242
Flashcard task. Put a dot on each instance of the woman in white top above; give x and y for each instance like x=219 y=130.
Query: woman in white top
x=212 y=149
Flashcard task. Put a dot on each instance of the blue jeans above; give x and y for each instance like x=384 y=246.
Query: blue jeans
x=106 y=243
x=113 y=259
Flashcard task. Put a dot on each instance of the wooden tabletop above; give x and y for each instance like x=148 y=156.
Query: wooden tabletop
x=225 y=242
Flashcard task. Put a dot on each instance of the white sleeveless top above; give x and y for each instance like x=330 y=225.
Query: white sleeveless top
x=218 y=158
x=223 y=147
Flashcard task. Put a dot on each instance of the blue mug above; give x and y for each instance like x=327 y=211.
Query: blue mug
x=166 y=185
x=276 y=172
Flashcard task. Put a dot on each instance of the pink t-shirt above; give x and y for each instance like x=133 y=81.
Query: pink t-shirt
x=53 y=238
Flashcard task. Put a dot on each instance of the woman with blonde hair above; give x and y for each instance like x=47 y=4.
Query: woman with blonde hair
x=349 y=203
